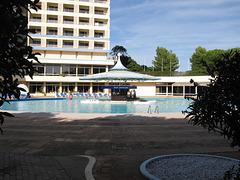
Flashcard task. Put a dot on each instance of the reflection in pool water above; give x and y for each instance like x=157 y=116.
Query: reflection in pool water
x=78 y=105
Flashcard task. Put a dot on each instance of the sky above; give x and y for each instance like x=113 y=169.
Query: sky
x=178 y=25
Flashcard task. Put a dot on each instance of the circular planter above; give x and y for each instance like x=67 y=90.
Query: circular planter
x=187 y=166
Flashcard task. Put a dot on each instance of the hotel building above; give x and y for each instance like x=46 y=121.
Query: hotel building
x=73 y=37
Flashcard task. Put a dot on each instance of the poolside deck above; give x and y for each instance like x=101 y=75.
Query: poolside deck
x=45 y=144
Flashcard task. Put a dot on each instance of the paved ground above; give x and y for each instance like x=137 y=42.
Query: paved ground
x=46 y=146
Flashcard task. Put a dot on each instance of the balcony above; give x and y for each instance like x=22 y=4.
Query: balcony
x=84 y=0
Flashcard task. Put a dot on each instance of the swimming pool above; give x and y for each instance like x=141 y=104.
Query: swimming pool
x=80 y=105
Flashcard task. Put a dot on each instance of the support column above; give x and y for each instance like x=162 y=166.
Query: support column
x=76 y=88
x=60 y=87
x=44 y=87
x=91 y=87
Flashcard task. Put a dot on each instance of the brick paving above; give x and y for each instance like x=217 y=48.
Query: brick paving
x=32 y=148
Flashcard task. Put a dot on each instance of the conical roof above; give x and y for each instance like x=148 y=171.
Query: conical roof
x=118 y=66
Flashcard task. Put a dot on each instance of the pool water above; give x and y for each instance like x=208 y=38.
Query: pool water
x=79 y=105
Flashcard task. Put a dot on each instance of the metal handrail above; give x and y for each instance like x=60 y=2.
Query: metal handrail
x=149 y=110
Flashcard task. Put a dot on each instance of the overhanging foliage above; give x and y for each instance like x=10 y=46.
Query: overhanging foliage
x=217 y=107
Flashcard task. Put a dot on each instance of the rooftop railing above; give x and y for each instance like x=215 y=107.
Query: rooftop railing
x=100 y=1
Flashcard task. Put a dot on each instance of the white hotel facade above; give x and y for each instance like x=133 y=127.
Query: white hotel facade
x=73 y=37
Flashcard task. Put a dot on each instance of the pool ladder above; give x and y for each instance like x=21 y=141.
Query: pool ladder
x=150 y=110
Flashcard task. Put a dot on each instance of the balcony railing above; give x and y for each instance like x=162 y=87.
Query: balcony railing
x=35 y=44
x=51 y=45
x=99 y=24
x=98 y=47
x=67 y=46
x=84 y=0
x=83 y=23
x=35 y=20
x=84 y=11
x=98 y=36
x=100 y=13
x=67 y=34
x=100 y=1
x=83 y=47
x=81 y=34
x=68 y=10
x=52 y=8
x=52 y=21
x=68 y=22
x=51 y=33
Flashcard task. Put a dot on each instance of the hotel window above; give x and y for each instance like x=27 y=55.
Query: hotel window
x=52 y=69
x=97 y=87
x=98 y=46
x=83 y=87
x=99 y=69
x=68 y=9
x=66 y=87
x=52 y=87
x=68 y=21
x=190 y=90
x=98 y=34
x=35 y=87
x=99 y=12
x=67 y=44
x=35 y=42
x=39 y=69
x=99 y=23
x=51 y=43
x=35 y=18
x=37 y=30
x=84 y=10
x=178 y=90
x=83 y=33
x=68 y=33
x=84 y=70
x=52 y=19
x=52 y=7
x=83 y=45
x=83 y=22
x=69 y=70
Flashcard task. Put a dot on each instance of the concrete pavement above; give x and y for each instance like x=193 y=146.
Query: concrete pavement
x=48 y=145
